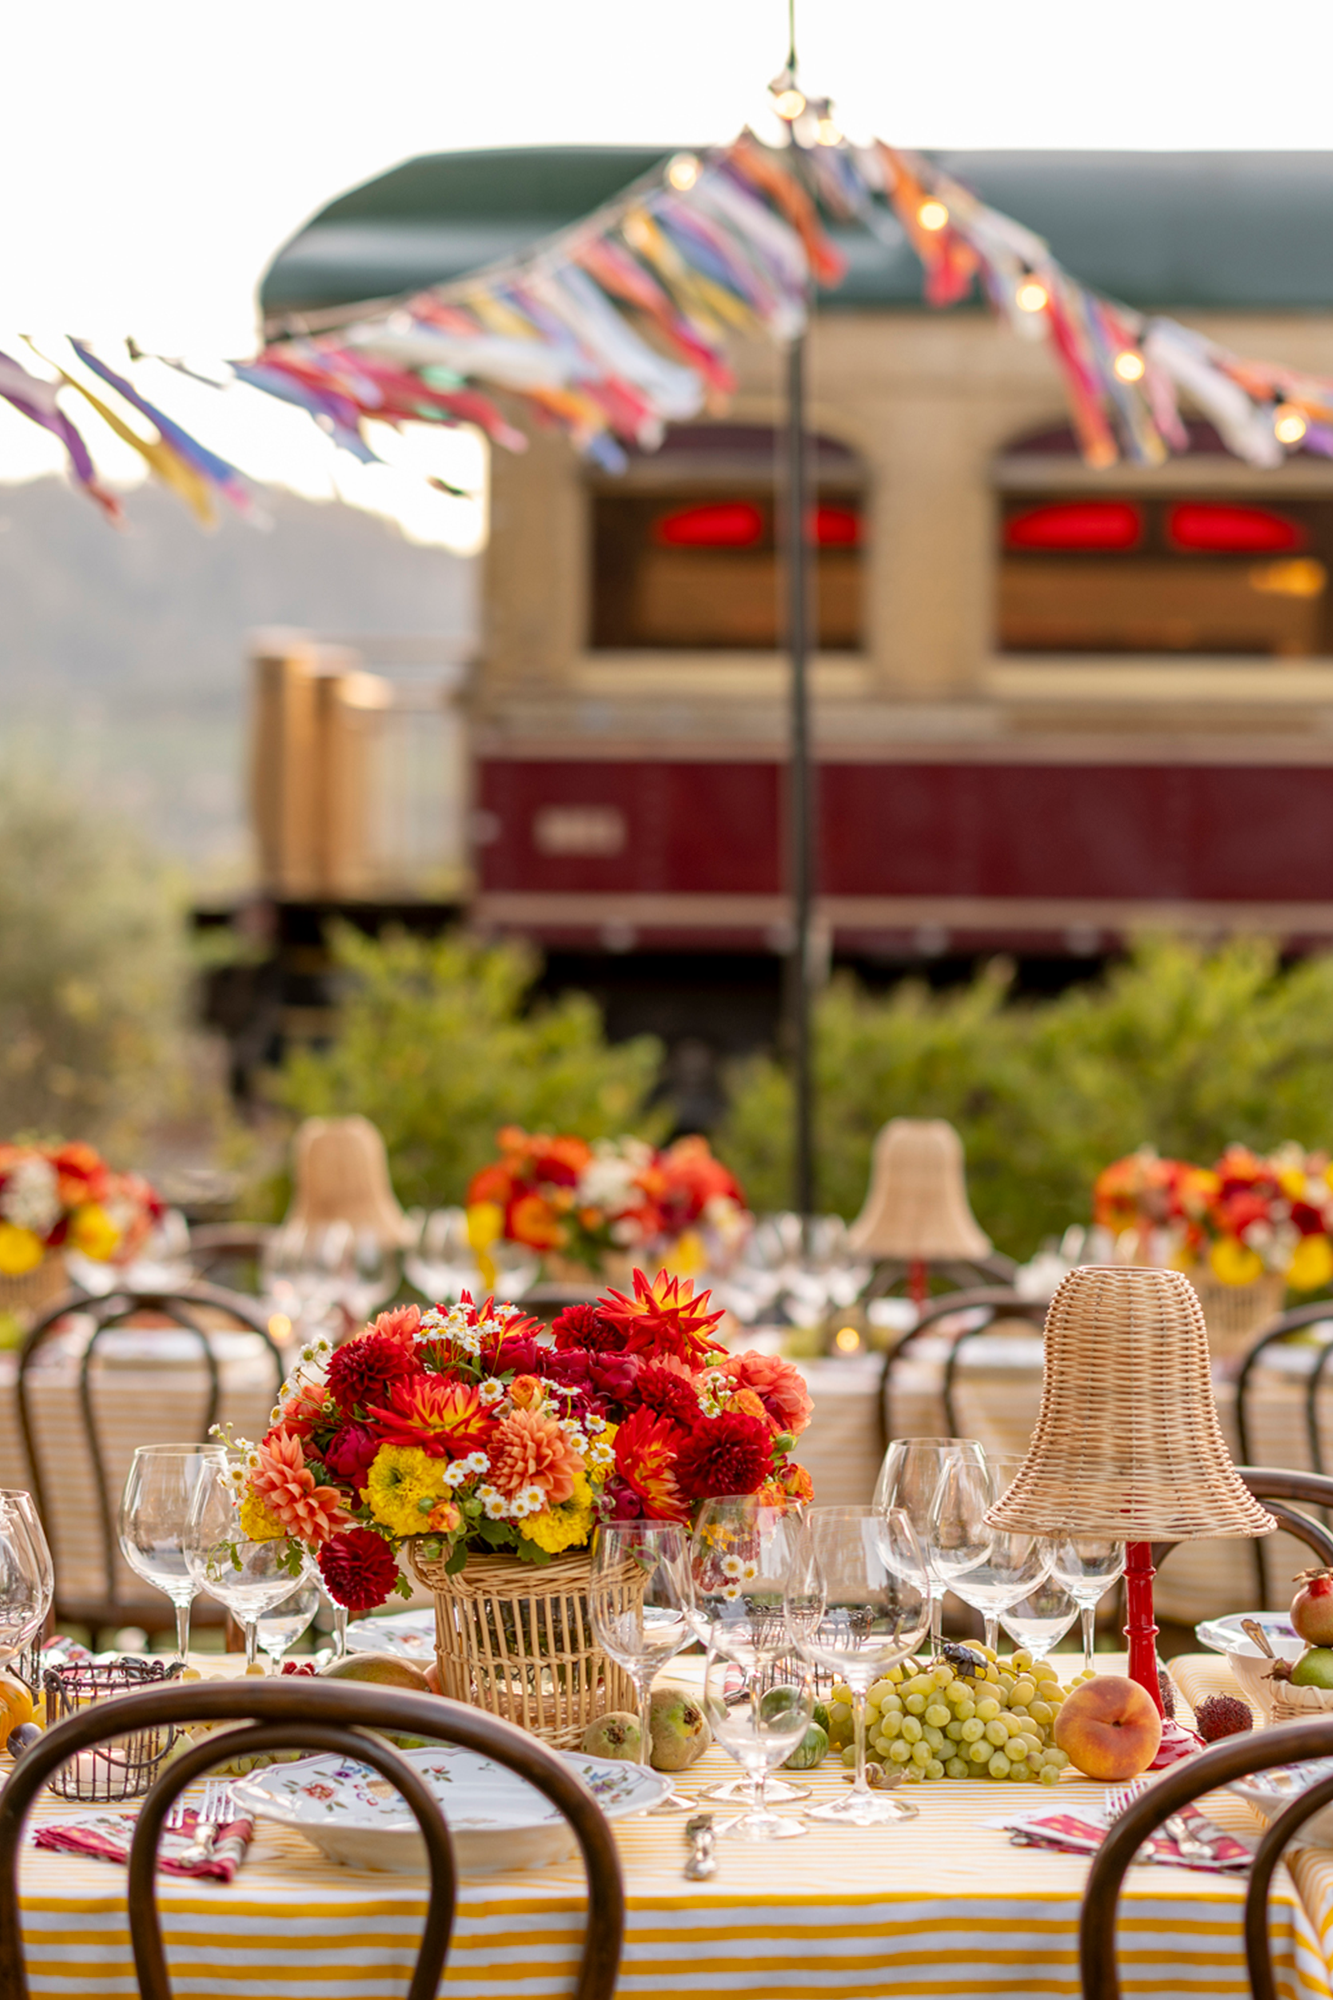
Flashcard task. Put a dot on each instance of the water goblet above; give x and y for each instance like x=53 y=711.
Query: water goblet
x=992 y=1568
x=909 y=1478
x=1040 y=1620
x=27 y=1577
x=1087 y=1566
x=282 y=1625
x=637 y=1596
x=154 y=1508
x=246 y=1576
x=858 y=1602
x=758 y=1720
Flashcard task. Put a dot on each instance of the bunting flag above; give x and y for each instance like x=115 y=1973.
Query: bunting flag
x=622 y=324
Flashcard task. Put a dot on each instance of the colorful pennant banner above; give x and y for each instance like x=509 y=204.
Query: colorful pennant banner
x=620 y=325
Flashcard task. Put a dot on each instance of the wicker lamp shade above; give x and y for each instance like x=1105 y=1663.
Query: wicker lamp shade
x=341 y=1174
x=1128 y=1444
x=917 y=1207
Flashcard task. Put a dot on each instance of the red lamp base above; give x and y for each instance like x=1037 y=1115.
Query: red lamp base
x=1141 y=1632
x=1177 y=1742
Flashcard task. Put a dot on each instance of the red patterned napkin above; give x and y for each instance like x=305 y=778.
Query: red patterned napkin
x=108 y=1835
x=1068 y=1834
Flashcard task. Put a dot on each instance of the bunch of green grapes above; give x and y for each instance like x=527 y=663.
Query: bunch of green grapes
x=935 y=1721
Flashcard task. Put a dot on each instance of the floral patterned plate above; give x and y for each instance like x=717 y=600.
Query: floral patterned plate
x=410 y=1634
x=497 y=1820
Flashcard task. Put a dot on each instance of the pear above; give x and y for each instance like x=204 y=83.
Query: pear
x=615 y=1735
x=679 y=1729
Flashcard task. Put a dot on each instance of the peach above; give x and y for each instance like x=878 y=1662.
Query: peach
x=1109 y=1728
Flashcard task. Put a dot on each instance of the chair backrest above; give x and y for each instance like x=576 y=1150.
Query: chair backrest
x=997 y=1301
x=189 y=1311
x=340 y=1173
x=332 y=1716
x=1235 y=1757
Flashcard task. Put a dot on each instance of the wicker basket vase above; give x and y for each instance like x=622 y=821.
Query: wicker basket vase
x=36 y=1291
x=1233 y=1314
x=517 y=1640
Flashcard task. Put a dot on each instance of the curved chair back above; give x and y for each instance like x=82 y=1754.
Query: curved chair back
x=998 y=1302
x=333 y=1716
x=1235 y=1757
x=108 y=1605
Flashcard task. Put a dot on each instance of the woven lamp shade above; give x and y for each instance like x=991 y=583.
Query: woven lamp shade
x=917 y=1207
x=1128 y=1445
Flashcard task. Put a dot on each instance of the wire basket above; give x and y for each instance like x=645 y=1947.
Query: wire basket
x=126 y=1766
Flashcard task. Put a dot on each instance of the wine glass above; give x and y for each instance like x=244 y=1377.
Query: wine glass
x=1041 y=1619
x=154 y=1508
x=759 y=1721
x=248 y=1577
x=27 y=1576
x=740 y=1556
x=282 y=1626
x=1087 y=1566
x=858 y=1602
x=637 y=1598
x=992 y=1568
x=908 y=1478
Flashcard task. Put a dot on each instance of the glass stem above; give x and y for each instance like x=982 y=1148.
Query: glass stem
x=992 y=1619
x=644 y=1684
x=859 y=1785
x=339 y=1631
x=936 y=1616
x=760 y=1782
x=251 y=1640
x=1089 y=1616
x=183 y=1629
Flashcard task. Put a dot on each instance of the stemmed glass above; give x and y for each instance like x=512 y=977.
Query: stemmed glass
x=283 y=1625
x=154 y=1508
x=739 y=1561
x=858 y=1602
x=989 y=1568
x=759 y=1721
x=1041 y=1619
x=1087 y=1566
x=637 y=1598
x=909 y=1478
x=248 y=1577
x=27 y=1577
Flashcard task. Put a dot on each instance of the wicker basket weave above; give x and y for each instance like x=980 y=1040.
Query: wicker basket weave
x=29 y=1296
x=517 y=1641
x=1233 y=1314
x=1293 y=1704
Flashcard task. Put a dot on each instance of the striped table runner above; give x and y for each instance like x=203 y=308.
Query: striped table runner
x=940 y=1906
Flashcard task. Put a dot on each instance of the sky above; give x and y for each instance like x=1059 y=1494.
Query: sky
x=154 y=156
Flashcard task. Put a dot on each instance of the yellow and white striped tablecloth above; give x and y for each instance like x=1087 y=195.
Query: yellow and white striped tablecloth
x=942 y=1906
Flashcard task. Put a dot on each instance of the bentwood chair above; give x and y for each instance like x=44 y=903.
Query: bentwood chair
x=200 y=1311
x=313 y=1715
x=1235 y=1757
x=983 y=1304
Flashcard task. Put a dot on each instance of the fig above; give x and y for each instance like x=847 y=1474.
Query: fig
x=678 y=1729
x=811 y=1750
x=615 y=1735
x=22 y=1739
x=1312 y=1607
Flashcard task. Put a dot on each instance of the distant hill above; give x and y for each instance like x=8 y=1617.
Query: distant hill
x=122 y=655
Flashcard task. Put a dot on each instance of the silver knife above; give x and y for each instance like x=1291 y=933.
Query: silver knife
x=703 y=1856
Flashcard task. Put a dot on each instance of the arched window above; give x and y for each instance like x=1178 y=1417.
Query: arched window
x=1096 y=568
x=686 y=546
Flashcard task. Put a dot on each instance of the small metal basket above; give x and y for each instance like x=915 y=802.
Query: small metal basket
x=125 y=1766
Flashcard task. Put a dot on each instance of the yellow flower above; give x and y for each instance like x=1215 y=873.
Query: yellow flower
x=567 y=1526
x=1311 y=1265
x=1234 y=1262
x=601 y=1459
x=20 y=1250
x=92 y=1231
x=256 y=1521
x=400 y=1477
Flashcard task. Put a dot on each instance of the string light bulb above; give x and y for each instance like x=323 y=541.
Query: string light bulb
x=828 y=132
x=683 y=172
x=1129 y=365
x=789 y=104
x=932 y=215
x=1290 y=426
x=1033 y=296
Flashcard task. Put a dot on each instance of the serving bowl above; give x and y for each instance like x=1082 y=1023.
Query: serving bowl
x=498 y=1821
x=1250 y=1667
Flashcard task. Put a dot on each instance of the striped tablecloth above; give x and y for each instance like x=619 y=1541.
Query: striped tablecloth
x=941 y=1906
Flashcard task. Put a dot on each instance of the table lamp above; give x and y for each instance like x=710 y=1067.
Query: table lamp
x=916 y=1209
x=1128 y=1446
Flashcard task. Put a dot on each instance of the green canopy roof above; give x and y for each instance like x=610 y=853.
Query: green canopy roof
x=1169 y=230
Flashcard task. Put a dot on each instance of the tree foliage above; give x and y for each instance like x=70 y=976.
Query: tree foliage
x=1180 y=1046
x=437 y=1045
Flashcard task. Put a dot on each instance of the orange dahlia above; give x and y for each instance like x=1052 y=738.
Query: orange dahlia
x=447 y=1419
x=780 y=1388
x=664 y=1319
x=286 y=1486
x=529 y=1449
x=646 y=1448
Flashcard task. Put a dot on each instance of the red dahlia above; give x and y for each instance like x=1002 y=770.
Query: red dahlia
x=724 y=1455
x=583 y=1326
x=362 y=1369
x=359 y=1569
x=669 y=1394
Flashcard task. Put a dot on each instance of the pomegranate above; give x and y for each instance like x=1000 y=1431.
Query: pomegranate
x=1312 y=1607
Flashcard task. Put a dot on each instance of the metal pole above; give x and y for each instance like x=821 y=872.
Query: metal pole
x=800 y=785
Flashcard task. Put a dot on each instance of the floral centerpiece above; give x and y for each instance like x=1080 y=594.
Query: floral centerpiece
x=471 y=1431
x=1250 y=1216
x=54 y=1198
x=590 y=1202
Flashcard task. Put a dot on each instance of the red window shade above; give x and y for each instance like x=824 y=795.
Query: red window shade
x=714 y=524
x=1223 y=528
x=837 y=528
x=1076 y=525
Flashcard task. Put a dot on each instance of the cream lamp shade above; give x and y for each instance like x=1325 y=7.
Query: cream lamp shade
x=917 y=1207
x=341 y=1174
x=1128 y=1445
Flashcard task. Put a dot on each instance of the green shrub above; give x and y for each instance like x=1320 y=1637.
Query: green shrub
x=436 y=1045
x=1180 y=1046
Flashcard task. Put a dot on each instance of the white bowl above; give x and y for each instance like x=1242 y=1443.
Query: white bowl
x=1221 y=1634
x=1270 y=1791
x=497 y=1820
x=1250 y=1669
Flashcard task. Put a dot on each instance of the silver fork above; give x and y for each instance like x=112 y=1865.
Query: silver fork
x=1118 y=1800
x=211 y=1812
